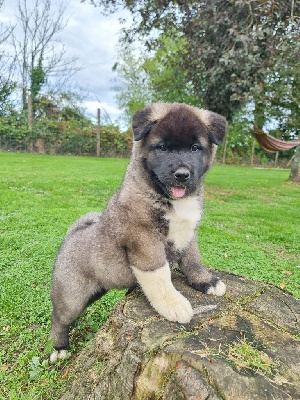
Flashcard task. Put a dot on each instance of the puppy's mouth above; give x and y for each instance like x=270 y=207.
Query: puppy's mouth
x=178 y=191
x=169 y=189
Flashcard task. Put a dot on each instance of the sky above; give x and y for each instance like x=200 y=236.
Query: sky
x=92 y=38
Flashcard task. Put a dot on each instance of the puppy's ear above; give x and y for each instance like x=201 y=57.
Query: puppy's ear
x=142 y=123
x=217 y=127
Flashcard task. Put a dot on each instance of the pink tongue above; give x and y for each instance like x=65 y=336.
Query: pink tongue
x=178 y=191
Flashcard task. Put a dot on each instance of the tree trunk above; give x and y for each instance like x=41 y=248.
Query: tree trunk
x=295 y=170
x=98 y=136
x=259 y=116
x=241 y=346
x=30 y=113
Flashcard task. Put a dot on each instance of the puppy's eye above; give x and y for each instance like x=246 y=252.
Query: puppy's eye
x=196 y=147
x=162 y=147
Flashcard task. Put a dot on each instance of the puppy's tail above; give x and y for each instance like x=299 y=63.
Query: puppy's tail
x=84 y=222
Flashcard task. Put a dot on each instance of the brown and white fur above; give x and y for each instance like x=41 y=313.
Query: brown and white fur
x=149 y=225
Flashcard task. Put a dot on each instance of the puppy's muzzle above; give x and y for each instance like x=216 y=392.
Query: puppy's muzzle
x=182 y=175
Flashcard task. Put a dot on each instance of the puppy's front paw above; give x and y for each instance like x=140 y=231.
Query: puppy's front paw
x=215 y=287
x=175 y=307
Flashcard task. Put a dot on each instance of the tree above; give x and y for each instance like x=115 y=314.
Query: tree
x=295 y=170
x=41 y=57
x=145 y=77
x=168 y=81
x=233 y=42
x=6 y=66
x=279 y=100
x=132 y=84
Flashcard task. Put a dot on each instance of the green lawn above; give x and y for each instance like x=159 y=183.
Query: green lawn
x=250 y=227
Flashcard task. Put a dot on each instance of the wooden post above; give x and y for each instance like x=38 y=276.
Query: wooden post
x=252 y=152
x=98 y=147
x=225 y=150
x=276 y=158
x=30 y=113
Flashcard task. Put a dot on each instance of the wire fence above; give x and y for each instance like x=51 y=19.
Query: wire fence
x=74 y=144
x=115 y=144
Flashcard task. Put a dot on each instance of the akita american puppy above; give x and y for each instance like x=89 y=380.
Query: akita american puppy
x=149 y=225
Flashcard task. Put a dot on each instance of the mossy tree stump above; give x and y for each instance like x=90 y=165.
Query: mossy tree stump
x=240 y=346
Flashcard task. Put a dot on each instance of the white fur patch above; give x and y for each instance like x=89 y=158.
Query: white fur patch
x=61 y=354
x=162 y=295
x=183 y=220
x=217 y=290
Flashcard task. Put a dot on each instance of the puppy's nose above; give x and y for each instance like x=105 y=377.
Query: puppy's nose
x=182 y=175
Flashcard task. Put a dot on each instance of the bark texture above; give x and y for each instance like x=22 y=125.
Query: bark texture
x=295 y=170
x=241 y=346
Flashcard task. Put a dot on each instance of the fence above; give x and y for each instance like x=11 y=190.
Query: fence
x=116 y=144
x=113 y=144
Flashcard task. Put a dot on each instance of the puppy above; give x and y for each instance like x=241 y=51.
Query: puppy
x=149 y=225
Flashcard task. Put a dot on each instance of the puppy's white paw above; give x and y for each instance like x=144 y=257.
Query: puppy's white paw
x=163 y=296
x=218 y=289
x=59 y=355
x=174 y=307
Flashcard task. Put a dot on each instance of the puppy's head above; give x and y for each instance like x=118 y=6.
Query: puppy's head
x=176 y=145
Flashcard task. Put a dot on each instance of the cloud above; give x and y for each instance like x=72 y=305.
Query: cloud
x=93 y=37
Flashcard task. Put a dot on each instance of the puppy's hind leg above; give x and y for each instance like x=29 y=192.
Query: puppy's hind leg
x=69 y=301
x=60 y=332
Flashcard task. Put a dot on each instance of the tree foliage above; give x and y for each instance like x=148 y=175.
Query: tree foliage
x=145 y=77
x=230 y=45
x=60 y=127
x=132 y=83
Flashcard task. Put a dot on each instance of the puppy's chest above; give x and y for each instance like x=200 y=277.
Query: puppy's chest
x=183 y=218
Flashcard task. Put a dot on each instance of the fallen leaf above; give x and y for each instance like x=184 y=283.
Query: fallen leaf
x=65 y=374
x=282 y=286
x=4 y=367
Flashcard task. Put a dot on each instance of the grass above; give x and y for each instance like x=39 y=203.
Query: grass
x=246 y=356
x=250 y=227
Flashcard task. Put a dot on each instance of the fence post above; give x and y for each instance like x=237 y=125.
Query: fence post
x=225 y=150
x=252 y=152
x=276 y=159
x=98 y=147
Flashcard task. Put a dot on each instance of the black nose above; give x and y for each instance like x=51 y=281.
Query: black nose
x=182 y=174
